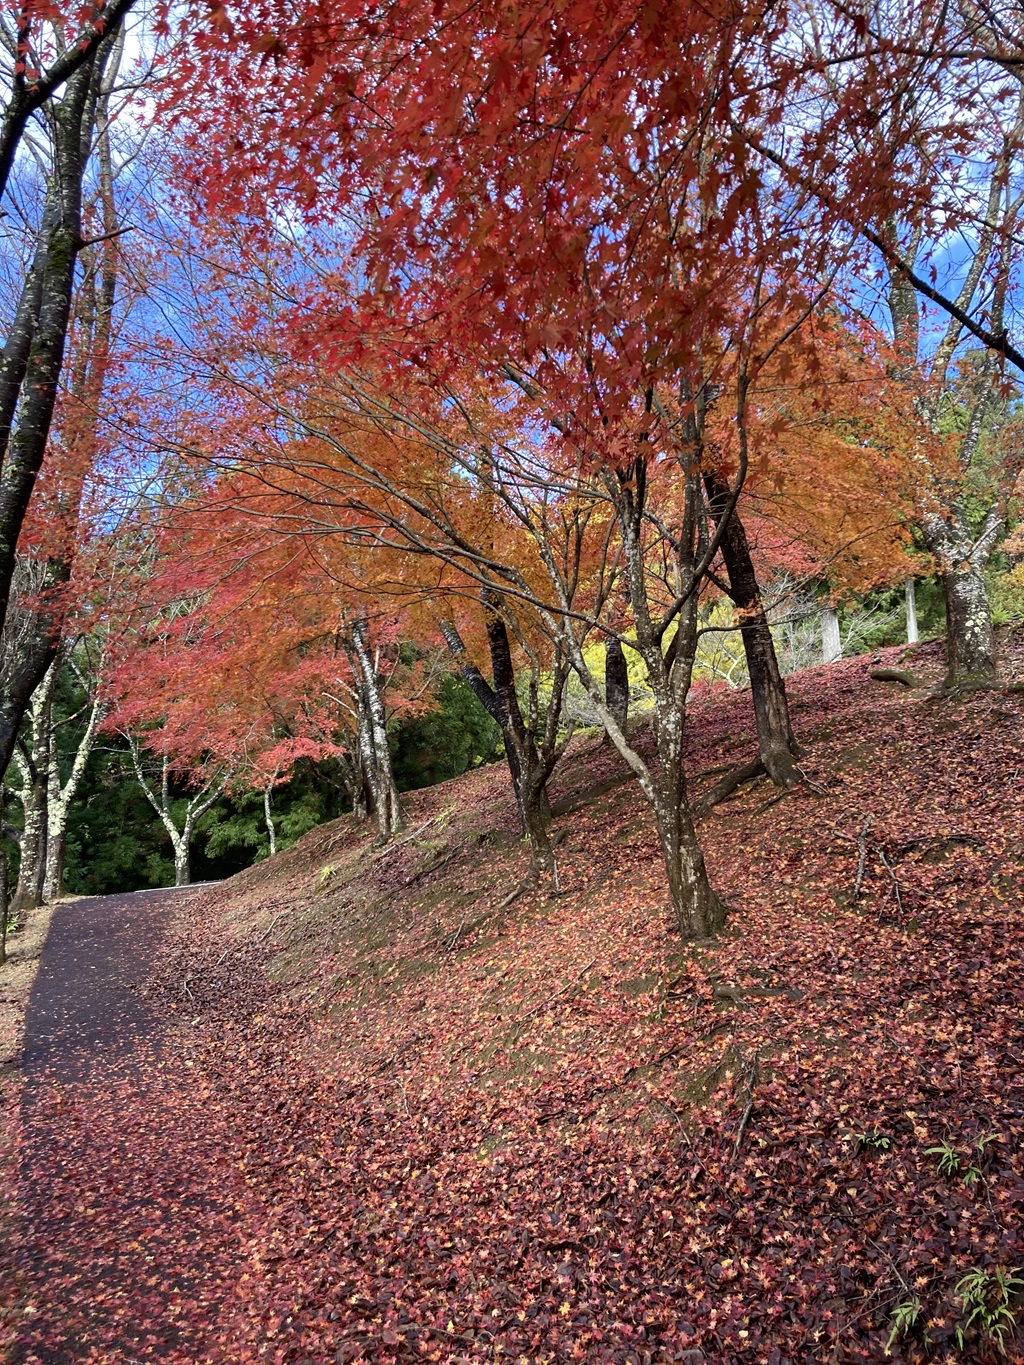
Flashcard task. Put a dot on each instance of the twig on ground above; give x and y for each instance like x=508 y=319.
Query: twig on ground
x=230 y=949
x=552 y=998
x=936 y=841
x=450 y=940
x=262 y=938
x=809 y=781
x=772 y=801
x=270 y=927
x=895 y=884
x=656 y=1099
x=434 y=866
x=862 y=858
x=397 y=843
x=753 y=1075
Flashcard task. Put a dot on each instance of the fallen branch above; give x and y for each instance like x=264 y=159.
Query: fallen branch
x=895 y=884
x=772 y=801
x=397 y=843
x=862 y=858
x=753 y=1075
x=809 y=781
x=937 y=841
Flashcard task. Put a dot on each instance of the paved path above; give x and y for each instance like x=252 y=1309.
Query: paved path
x=128 y=1206
x=85 y=1009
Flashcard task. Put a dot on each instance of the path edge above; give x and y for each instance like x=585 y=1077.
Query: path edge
x=17 y=977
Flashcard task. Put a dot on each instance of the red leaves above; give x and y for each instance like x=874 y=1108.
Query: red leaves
x=435 y=1167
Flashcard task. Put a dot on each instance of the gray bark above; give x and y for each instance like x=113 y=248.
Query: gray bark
x=911 y=599
x=33 y=354
x=532 y=748
x=616 y=681
x=831 y=642
x=970 y=636
x=4 y=877
x=268 y=815
x=195 y=809
x=373 y=739
x=60 y=796
x=34 y=764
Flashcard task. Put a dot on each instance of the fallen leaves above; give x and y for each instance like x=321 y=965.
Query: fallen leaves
x=391 y=1147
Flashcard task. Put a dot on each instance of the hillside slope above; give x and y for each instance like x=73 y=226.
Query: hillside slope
x=544 y=1129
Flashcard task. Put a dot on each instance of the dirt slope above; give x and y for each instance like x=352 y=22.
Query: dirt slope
x=546 y=1130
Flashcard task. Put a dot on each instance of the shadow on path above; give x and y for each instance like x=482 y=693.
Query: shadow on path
x=129 y=1206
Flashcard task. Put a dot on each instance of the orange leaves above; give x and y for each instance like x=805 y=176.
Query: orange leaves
x=833 y=461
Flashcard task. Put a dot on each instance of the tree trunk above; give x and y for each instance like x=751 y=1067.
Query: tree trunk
x=528 y=767
x=536 y=815
x=776 y=744
x=268 y=816
x=56 y=853
x=970 y=639
x=29 y=892
x=911 y=599
x=616 y=682
x=698 y=911
x=30 y=643
x=4 y=877
x=31 y=363
x=970 y=642
x=35 y=793
x=831 y=642
x=508 y=714
x=181 y=840
x=59 y=798
x=30 y=374
x=387 y=806
x=182 y=867
x=488 y=698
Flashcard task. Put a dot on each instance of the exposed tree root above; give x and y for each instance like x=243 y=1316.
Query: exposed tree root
x=728 y=784
x=896 y=675
x=953 y=688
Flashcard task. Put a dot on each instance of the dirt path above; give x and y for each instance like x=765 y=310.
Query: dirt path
x=128 y=1211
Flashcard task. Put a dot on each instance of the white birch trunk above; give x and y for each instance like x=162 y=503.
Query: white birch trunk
x=374 y=741
x=268 y=815
x=831 y=643
x=911 y=596
x=181 y=839
x=59 y=799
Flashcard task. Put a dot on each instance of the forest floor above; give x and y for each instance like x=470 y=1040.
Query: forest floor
x=372 y=1108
